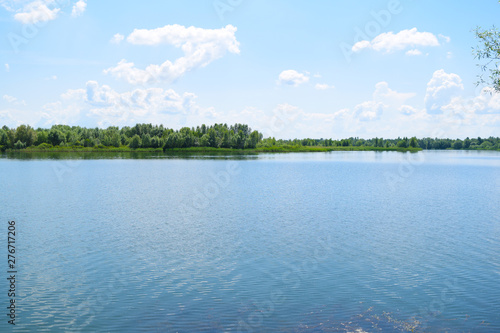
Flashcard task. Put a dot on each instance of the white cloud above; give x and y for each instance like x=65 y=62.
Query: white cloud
x=445 y=38
x=441 y=89
x=323 y=86
x=117 y=38
x=37 y=11
x=7 y=68
x=407 y=110
x=13 y=100
x=200 y=47
x=10 y=99
x=101 y=104
x=53 y=77
x=79 y=8
x=367 y=111
x=413 y=52
x=386 y=95
x=390 y=42
x=292 y=77
x=488 y=102
x=364 y=44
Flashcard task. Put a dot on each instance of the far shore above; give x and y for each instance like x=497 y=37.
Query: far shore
x=274 y=149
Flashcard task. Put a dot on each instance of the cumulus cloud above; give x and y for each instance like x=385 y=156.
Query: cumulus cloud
x=37 y=11
x=407 y=110
x=292 y=77
x=117 y=38
x=200 y=47
x=10 y=99
x=367 y=111
x=413 y=52
x=323 y=86
x=79 y=8
x=441 y=90
x=487 y=102
x=445 y=38
x=101 y=103
x=391 y=42
x=7 y=68
x=13 y=100
x=386 y=95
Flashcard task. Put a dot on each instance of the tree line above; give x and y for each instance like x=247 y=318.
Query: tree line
x=428 y=143
x=237 y=136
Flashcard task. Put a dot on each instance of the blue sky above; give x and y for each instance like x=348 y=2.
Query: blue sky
x=287 y=68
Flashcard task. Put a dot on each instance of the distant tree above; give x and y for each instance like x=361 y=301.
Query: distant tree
x=155 y=142
x=212 y=137
x=135 y=142
x=467 y=143
x=55 y=137
x=413 y=142
x=146 y=141
x=4 y=139
x=252 y=141
x=26 y=134
x=402 y=144
x=41 y=137
x=457 y=144
x=116 y=139
x=19 y=145
x=204 y=142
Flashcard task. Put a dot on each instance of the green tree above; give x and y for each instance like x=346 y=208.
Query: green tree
x=55 y=137
x=4 y=139
x=204 y=142
x=42 y=137
x=488 y=51
x=116 y=139
x=26 y=134
x=413 y=142
x=19 y=145
x=457 y=144
x=146 y=141
x=467 y=143
x=135 y=142
x=402 y=143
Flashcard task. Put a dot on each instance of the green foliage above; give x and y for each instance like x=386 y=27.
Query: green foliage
x=44 y=146
x=136 y=142
x=403 y=143
x=457 y=144
x=26 y=134
x=55 y=137
x=488 y=52
x=207 y=138
x=19 y=145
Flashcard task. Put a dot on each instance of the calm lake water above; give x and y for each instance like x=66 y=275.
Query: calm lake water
x=340 y=241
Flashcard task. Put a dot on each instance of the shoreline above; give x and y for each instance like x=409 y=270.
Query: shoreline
x=275 y=149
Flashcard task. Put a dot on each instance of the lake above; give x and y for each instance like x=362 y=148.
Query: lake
x=339 y=241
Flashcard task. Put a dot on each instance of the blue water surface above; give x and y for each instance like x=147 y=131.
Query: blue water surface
x=339 y=241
